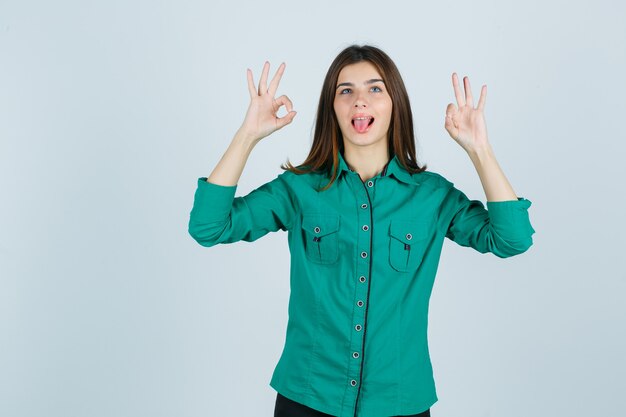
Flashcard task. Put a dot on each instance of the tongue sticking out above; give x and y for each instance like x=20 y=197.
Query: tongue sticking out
x=361 y=125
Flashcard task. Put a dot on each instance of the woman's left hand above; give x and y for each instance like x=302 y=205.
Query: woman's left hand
x=466 y=124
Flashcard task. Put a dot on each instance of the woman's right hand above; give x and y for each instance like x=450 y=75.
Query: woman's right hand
x=261 y=119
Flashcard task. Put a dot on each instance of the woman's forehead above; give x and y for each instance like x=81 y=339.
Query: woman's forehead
x=360 y=71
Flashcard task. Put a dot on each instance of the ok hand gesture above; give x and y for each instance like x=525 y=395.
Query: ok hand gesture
x=466 y=125
x=261 y=119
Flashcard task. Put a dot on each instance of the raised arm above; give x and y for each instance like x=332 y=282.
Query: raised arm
x=466 y=125
x=261 y=120
x=504 y=228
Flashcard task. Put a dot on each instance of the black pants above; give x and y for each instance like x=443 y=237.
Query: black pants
x=289 y=408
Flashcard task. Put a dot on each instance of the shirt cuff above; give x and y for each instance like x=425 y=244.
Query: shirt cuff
x=212 y=202
x=510 y=218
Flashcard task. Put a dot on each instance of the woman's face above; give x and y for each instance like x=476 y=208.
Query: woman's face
x=362 y=106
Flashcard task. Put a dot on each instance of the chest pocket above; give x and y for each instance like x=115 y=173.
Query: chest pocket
x=407 y=244
x=321 y=242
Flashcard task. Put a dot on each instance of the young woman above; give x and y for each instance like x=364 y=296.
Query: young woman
x=366 y=224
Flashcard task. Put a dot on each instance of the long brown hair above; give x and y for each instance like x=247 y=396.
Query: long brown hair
x=327 y=139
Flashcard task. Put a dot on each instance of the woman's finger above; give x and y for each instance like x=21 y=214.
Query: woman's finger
x=450 y=111
x=263 y=80
x=291 y=113
x=283 y=101
x=449 y=122
x=460 y=101
x=276 y=80
x=251 y=87
x=483 y=97
x=469 y=99
x=286 y=119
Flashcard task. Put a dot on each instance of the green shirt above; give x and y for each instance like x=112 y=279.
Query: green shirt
x=363 y=261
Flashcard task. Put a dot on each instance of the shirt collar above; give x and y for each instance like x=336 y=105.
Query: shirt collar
x=393 y=168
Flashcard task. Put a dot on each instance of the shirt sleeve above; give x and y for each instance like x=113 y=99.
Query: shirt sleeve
x=218 y=216
x=503 y=228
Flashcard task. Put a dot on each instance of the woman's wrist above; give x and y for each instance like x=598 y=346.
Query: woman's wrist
x=481 y=155
x=245 y=139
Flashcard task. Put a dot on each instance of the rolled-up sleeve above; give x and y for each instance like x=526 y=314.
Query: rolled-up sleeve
x=218 y=216
x=503 y=228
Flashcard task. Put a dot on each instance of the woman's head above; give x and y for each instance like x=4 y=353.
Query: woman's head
x=338 y=105
x=363 y=108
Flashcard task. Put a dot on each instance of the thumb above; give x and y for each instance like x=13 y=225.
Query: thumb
x=286 y=119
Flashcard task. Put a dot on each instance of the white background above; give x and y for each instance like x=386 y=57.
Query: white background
x=111 y=110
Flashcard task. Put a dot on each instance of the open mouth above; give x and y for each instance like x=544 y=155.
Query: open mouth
x=362 y=123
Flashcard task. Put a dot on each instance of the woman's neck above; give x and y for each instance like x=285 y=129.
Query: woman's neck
x=365 y=162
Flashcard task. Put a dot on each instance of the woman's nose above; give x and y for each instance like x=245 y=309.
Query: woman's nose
x=360 y=100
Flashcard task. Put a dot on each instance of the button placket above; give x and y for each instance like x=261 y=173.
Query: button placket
x=364 y=244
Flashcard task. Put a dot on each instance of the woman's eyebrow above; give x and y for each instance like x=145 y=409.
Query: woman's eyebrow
x=372 y=81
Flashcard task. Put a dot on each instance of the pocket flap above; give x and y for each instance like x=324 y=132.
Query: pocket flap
x=407 y=231
x=320 y=225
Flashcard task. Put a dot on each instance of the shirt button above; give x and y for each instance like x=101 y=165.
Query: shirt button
x=366 y=228
x=362 y=278
x=359 y=303
x=370 y=184
x=355 y=355
x=353 y=383
x=358 y=327
x=363 y=255
x=409 y=236
x=363 y=206
x=317 y=229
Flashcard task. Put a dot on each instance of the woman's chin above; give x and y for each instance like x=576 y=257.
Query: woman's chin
x=362 y=140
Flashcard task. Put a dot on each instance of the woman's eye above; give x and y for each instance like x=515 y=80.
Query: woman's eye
x=374 y=89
